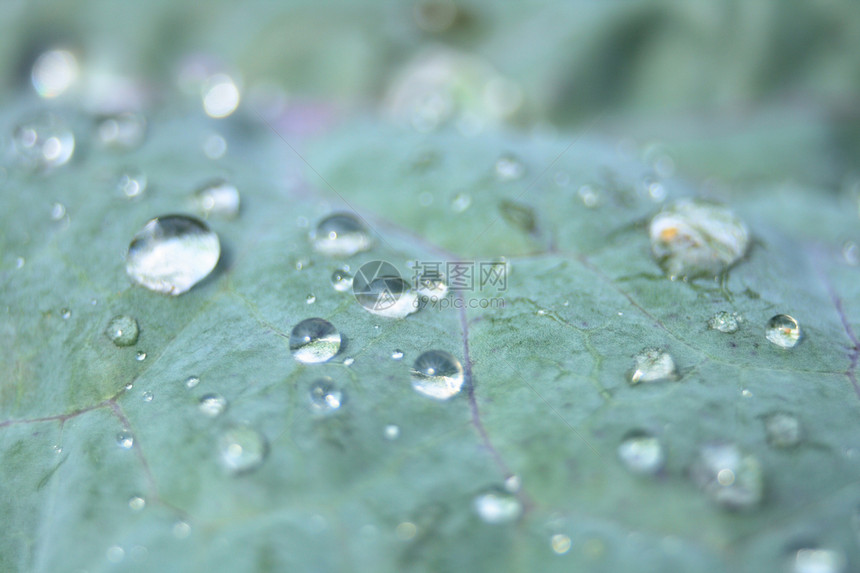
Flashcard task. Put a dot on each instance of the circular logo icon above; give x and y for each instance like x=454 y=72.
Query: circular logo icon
x=377 y=285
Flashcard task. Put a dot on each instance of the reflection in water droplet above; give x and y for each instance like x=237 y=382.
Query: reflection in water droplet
x=392 y=432
x=341 y=234
x=122 y=330
x=728 y=476
x=509 y=168
x=397 y=354
x=122 y=131
x=241 y=449
x=783 y=331
x=43 y=142
x=513 y=483
x=132 y=183
x=642 y=453
x=192 y=382
x=783 y=430
x=314 y=340
x=348 y=361
x=65 y=313
x=115 y=554
x=816 y=560
x=136 y=503
x=388 y=296
x=325 y=396
x=851 y=253
x=212 y=405
x=54 y=72
x=461 y=202
x=218 y=198
x=497 y=506
x=58 y=211
x=173 y=253
x=220 y=96
x=723 y=321
x=147 y=396
x=560 y=543
x=140 y=356
x=310 y=299
x=341 y=280
x=693 y=239
x=437 y=374
x=653 y=365
x=125 y=439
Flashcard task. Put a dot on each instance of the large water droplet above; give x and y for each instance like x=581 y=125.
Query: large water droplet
x=140 y=356
x=147 y=396
x=783 y=331
x=388 y=296
x=729 y=476
x=122 y=330
x=391 y=432
x=212 y=405
x=54 y=72
x=341 y=280
x=125 y=439
x=642 y=453
x=723 y=321
x=325 y=396
x=43 y=142
x=693 y=239
x=241 y=449
x=173 y=253
x=314 y=340
x=509 y=168
x=653 y=365
x=218 y=198
x=58 y=211
x=497 y=506
x=437 y=374
x=816 y=560
x=341 y=234
x=122 y=131
x=783 y=430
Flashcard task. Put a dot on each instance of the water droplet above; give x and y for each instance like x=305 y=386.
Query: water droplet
x=325 y=396
x=20 y=262
x=513 y=483
x=589 y=196
x=65 y=313
x=181 y=530
x=220 y=96
x=348 y=361
x=58 y=211
x=57 y=449
x=341 y=280
x=43 y=142
x=653 y=365
x=723 y=321
x=302 y=263
x=122 y=131
x=342 y=235
x=122 y=330
x=192 y=382
x=391 y=432
x=746 y=393
x=218 y=198
x=314 y=340
x=241 y=449
x=783 y=430
x=215 y=146
x=397 y=355
x=497 y=506
x=132 y=183
x=173 y=253
x=381 y=291
x=406 y=530
x=509 y=168
x=140 y=356
x=432 y=285
x=125 y=439
x=816 y=560
x=212 y=405
x=783 y=331
x=461 y=202
x=136 y=503
x=54 y=72
x=310 y=299
x=147 y=396
x=115 y=554
x=693 y=239
x=425 y=199
x=851 y=253
x=642 y=453
x=437 y=374
x=560 y=543
x=729 y=476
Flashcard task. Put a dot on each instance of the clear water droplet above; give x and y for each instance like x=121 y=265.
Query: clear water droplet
x=783 y=430
x=406 y=530
x=147 y=396
x=310 y=299
x=58 y=211
x=212 y=405
x=653 y=365
x=140 y=356
x=136 y=503
x=783 y=331
x=746 y=393
x=509 y=168
x=325 y=396
x=129 y=386
x=314 y=340
x=437 y=374
x=391 y=432
x=43 y=142
x=192 y=382
x=173 y=253
x=220 y=96
x=241 y=449
x=122 y=330
x=57 y=449
x=724 y=321
x=397 y=354
x=218 y=198
x=342 y=235
x=122 y=131
x=818 y=560
x=341 y=280
x=642 y=453
x=497 y=506
x=54 y=72
x=20 y=262
x=560 y=543
x=388 y=296
x=132 y=183
x=728 y=476
x=125 y=439
x=65 y=313
x=692 y=239
x=461 y=202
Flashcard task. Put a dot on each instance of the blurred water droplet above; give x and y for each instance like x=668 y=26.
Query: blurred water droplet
x=54 y=72
x=397 y=355
x=122 y=131
x=147 y=396
x=218 y=198
x=497 y=506
x=348 y=361
x=723 y=321
x=437 y=374
x=341 y=280
x=406 y=530
x=432 y=285
x=653 y=365
x=642 y=453
x=388 y=296
x=783 y=331
x=65 y=313
x=140 y=356
x=181 y=530
x=302 y=263
x=43 y=142
x=57 y=449
x=513 y=483
x=325 y=396
x=122 y=330
x=783 y=430
x=220 y=96
x=851 y=253
x=58 y=211
x=115 y=554
x=391 y=432
x=125 y=439
x=341 y=234
x=173 y=253
x=728 y=476
x=241 y=449
x=136 y=503
x=434 y=15
x=589 y=196
x=656 y=191
x=132 y=183
x=816 y=560
x=509 y=168
x=310 y=299
x=212 y=405
x=314 y=340
x=693 y=239
x=560 y=543
x=20 y=262
x=461 y=202
x=192 y=382
x=214 y=146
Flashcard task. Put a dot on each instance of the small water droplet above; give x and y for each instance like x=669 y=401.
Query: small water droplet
x=214 y=146
x=147 y=396
x=58 y=211
x=314 y=340
x=136 y=503
x=693 y=239
x=589 y=196
x=341 y=280
x=173 y=253
x=115 y=554
x=391 y=432
x=220 y=96
x=642 y=453
x=125 y=439
x=212 y=405
x=43 y=142
x=218 y=198
x=728 y=476
x=192 y=382
x=783 y=430
x=723 y=321
x=310 y=299
x=132 y=183
x=302 y=263
x=397 y=354
x=432 y=285
x=122 y=131
x=58 y=449
x=513 y=483
x=817 y=560
x=341 y=235
x=140 y=356
x=437 y=374
x=851 y=253
x=653 y=365
x=461 y=202
x=560 y=543
x=509 y=168
x=497 y=506
x=746 y=393
x=65 y=313
x=348 y=361
x=241 y=449
x=382 y=292
x=325 y=396
x=122 y=330
x=129 y=386
x=181 y=530
x=783 y=331
x=406 y=530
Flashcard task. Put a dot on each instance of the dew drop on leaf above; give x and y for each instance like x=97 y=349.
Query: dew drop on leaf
x=341 y=235
x=115 y=554
x=147 y=396
x=136 y=503
x=437 y=374
x=132 y=183
x=192 y=382
x=173 y=253
x=509 y=168
x=817 y=560
x=43 y=142
x=58 y=211
x=348 y=361
x=125 y=439
x=220 y=96
x=341 y=280
x=140 y=356
x=589 y=195
x=181 y=530
x=560 y=543
x=219 y=198
x=397 y=354
x=653 y=365
x=122 y=131
x=54 y=72
x=314 y=340
x=728 y=476
x=724 y=321
x=461 y=202
x=391 y=432
x=641 y=453
x=325 y=396
x=783 y=331
x=497 y=506
x=388 y=296
x=212 y=405
x=241 y=449
x=783 y=430
x=310 y=299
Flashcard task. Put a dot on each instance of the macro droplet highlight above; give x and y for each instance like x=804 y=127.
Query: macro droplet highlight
x=497 y=506
x=314 y=340
x=653 y=365
x=122 y=330
x=241 y=449
x=437 y=374
x=125 y=440
x=641 y=453
x=729 y=476
x=341 y=280
x=341 y=235
x=212 y=405
x=783 y=331
x=325 y=396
